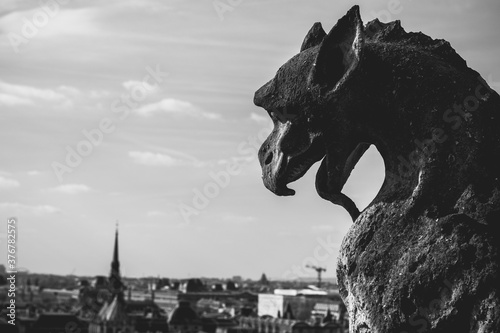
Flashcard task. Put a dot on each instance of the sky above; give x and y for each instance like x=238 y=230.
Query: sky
x=141 y=112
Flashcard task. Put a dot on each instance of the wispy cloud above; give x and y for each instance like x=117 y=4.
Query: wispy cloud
x=33 y=173
x=74 y=22
x=159 y=159
x=64 y=21
x=15 y=94
x=10 y=100
x=71 y=188
x=239 y=160
x=7 y=183
x=175 y=107
x=142 y=86
x=150 y=5
x=259 y=118
x=30 y=92
x=69 y=91
x=15 y=208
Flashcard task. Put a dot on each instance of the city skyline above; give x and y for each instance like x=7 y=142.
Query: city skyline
x=142 y=112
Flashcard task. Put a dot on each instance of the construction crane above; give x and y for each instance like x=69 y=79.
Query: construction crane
x=319 y=270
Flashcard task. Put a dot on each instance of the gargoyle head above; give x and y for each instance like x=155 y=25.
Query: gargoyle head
x=311 y=123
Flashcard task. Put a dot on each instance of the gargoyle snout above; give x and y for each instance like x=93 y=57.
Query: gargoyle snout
x=265 y=155
x=262 y=96
x=271 y=161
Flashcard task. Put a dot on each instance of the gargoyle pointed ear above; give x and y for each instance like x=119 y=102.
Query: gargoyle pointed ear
x=314 y=37
x=340 y=51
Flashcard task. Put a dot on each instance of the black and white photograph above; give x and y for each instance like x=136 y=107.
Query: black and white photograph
x=249 y=166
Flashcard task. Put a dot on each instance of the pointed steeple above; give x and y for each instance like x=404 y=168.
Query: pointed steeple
x=115 y=264
x=114 y=276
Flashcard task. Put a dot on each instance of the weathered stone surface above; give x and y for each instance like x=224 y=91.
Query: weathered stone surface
x=424 y=255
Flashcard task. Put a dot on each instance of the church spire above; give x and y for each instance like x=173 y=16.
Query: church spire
x=115 y=264
x=114 y=276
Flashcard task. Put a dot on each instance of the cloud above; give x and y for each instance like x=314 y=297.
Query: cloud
x=33 y=173
x=71 y=188
x=10 y=100
x=30 y=92
x=149 y=5
x=63 y=21
x=158 y=159
x=16 y=94
x=175 y=107
x=79 y=22
x=14 y=208
x=68 y=90
x=142 y=86
x=258 y=118
x=237 y=160
x=6 y=183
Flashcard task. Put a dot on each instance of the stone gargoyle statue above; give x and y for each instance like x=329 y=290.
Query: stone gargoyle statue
x=424 y=255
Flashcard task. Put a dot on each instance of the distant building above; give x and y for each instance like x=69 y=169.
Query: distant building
x=331 y=308
x=60 y=295
x=243 y=297
x=57 y=323
x=270 y=305
x=166 y=300
x=112 y=318
x=184 y=319
x=219 y=325
x=278 y=325
x=192 y=285
x=300 y=307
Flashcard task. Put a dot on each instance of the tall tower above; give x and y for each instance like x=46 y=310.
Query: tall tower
x=113 y=317
x=115 y=281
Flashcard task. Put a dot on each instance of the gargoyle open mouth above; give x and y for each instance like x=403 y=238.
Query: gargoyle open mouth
x=280 y=169
x=282 y=165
